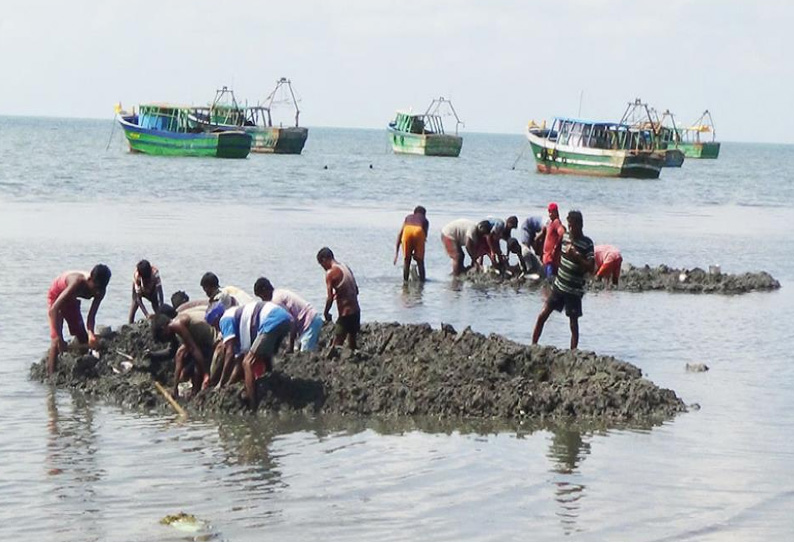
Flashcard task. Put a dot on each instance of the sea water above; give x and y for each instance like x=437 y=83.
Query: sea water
x=71 y=195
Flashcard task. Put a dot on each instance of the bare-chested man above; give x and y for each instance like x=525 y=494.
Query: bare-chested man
x=340 y=285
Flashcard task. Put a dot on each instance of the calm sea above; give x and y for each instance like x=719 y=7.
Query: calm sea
x=73 y=470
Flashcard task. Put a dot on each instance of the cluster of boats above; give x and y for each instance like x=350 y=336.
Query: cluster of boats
x=223 y=129
x=639 y=145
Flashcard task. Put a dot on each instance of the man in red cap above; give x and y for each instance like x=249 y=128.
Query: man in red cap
x=552 y=233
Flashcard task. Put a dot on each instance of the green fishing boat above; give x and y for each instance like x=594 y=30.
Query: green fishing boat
x=227 y=114
x=604 y=149
x=694 y=140
x=424 y=133
x=171 y=130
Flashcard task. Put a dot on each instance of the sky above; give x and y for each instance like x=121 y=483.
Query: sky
x=353 y=63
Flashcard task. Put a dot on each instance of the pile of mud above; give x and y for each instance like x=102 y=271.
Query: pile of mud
x=646 y=278
x=399 y=370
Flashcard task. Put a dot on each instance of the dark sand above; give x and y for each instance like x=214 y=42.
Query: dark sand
x=643 y=279
x=399 y=370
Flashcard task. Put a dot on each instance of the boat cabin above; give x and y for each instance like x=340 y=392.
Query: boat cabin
x=598 y=135
x=167 y=118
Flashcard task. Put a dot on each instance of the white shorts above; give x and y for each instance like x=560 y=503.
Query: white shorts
x=309 y=338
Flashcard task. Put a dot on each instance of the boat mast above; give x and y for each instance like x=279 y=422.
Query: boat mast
x=433 y=110
x=272 y=96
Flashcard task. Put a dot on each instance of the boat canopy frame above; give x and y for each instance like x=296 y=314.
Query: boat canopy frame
x=704 y=124
x=599 y=135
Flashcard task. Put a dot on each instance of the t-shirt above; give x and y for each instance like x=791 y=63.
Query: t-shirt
x=460 y=230
x=605 y=254
x=570 y=275
x=246 y=322
x=301 y=311
x=497 y=227
x=551 y=245
x=530 y=228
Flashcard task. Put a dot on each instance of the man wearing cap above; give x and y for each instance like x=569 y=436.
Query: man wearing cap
x=552 y=239
x=251 y=336
x=576 y=260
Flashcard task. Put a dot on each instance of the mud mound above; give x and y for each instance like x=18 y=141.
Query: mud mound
x=646 y=278
x=399 y=370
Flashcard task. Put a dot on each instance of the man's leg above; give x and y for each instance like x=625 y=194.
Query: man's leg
x=406 y=266
x=542 y=317
x=250 y=381
x=574 y=332
x=133 y=307
x=420 y=264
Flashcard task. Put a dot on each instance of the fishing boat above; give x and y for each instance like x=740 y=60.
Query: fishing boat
x=171 y=130
x=424 y=133
x=693 y=141
x=584 y=147
x=227 y=114
x=663 y=130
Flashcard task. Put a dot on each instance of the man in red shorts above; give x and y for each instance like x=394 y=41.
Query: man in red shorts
x=63 y=302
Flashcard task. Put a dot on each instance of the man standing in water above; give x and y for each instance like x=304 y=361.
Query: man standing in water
x=577 y=258
x=340 y=284
x=413 y=236
x=63 y=300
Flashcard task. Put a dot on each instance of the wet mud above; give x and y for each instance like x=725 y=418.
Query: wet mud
x=644 y=279
x=399 y=370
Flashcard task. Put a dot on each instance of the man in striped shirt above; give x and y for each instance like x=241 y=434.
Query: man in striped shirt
x=577 y=259
x=251 y=335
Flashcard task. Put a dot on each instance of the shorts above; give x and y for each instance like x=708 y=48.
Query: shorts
x=266 y=344
x=610 y=268
x=70 y=312
x=310 y=337
x=348 y=324
x=454 y=250
x=413 y=241
x=571 y=302
x=549 y=270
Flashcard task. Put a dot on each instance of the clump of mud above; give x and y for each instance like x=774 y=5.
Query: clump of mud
x=646 y=278
x=399 y=370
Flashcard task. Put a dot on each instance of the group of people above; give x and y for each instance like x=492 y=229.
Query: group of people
x=227 y=337
x=563 y=255
x=231 y=336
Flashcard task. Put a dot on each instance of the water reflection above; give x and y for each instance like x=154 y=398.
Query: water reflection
x=72 y=466
x=568 y=448
x=412 y=293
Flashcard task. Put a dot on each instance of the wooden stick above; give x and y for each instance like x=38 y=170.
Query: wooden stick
x=171 y=401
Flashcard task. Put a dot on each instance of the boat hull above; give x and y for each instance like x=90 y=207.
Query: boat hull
x=564 y=159
x=278 y=140
x=222 y=144
x=425 y=144
x=710 y=149
x=673 y=158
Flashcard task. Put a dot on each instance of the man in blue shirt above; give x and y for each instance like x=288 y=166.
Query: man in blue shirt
x=251 y=335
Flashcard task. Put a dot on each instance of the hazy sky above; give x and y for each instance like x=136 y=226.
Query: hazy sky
x=354 y=62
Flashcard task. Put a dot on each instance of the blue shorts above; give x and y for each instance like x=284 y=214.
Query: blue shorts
x=309 y=338
x=550 y=270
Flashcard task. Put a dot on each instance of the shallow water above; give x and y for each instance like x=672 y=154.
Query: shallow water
x=75 y=470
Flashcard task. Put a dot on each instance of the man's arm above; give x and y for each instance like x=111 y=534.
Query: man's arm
x=228 y=361
x=179 y=327
x=159 y=295
x=91 y=320
x=329 y=292
x=397 y=246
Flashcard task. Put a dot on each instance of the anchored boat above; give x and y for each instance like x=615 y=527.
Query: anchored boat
x=424 y=133
x=693 y=140
x=227 y=114
x=172 y=130
x=583 y=147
